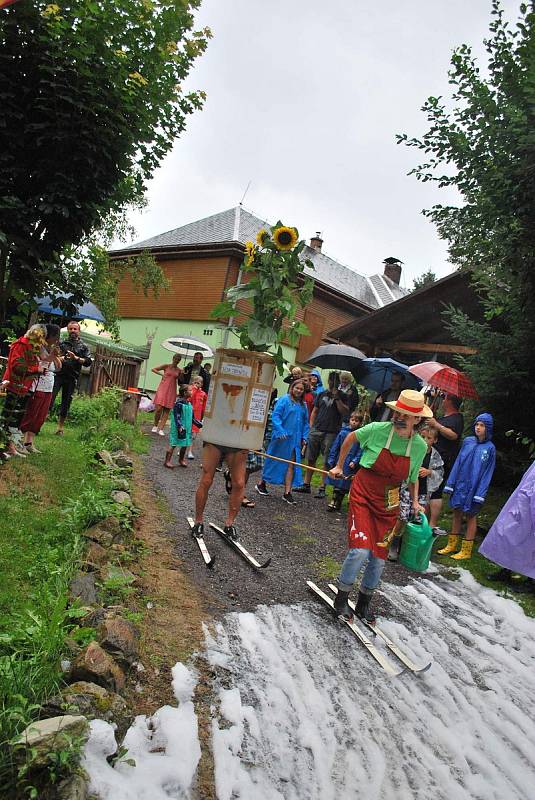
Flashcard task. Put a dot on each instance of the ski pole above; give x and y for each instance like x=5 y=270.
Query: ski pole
x=303 y=466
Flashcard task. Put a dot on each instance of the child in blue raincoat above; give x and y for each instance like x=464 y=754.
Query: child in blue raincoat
x=340 y=486
x=467 y=484
x=289 y=435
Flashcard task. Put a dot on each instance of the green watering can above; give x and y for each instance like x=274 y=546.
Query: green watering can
x=417 y=544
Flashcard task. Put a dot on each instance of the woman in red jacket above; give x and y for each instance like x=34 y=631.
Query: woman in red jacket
x=22 y=368
x=198 y=400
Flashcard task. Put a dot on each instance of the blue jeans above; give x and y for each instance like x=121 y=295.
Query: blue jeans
x=354 y=561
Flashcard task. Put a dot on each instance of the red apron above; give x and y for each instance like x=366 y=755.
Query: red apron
x=371 y=512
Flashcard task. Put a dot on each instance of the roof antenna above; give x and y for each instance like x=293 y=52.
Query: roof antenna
x=245 y=192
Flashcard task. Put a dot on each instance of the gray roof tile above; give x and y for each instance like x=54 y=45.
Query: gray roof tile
x=239 y=225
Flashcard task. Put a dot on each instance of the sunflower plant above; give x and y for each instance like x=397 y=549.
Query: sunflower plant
x=274 y=287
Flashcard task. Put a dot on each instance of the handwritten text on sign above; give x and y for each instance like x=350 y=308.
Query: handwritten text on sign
x=238 y=370
x=258 y=405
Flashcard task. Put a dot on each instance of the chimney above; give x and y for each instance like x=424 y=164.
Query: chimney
x=316 y=242
x=392 y=269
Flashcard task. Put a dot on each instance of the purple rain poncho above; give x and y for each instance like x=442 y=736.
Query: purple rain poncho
x=511 y=540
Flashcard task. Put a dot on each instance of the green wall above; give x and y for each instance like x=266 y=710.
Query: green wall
x=136 y=331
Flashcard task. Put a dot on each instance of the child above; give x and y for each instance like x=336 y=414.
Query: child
x=181 y=421
x=340 y=486
x=467 y=484
x=198 y=402
x=429 y=478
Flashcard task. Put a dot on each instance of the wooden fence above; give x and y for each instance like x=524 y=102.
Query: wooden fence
x=111 y=369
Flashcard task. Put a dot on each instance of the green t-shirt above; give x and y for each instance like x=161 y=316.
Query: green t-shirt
x=373 y=439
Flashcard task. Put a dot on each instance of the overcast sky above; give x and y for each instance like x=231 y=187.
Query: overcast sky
x=305 y=98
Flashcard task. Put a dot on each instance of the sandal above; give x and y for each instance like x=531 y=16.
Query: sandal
x=60 y=433
x=246 y=503
x=228 y=481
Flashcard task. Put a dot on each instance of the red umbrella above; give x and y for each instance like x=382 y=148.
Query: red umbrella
x=447 y=379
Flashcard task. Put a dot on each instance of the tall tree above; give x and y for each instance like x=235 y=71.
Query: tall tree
x=91 y=102
x=485 y=147
x=425 y=279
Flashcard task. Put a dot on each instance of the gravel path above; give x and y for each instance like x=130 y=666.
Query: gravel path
x=297 y=538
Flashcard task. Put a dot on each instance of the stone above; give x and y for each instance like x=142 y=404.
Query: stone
x=123 y=461
x=55 y=733
x=96 y=554
x=123 y=498
x=105 y=457
x=74 y=787
x=119 y=637
x=94 y=617
x=83 y=587
x=94 y=702
x=105 y=532
x=96 y=666
x=114 y=573
x=122 y=484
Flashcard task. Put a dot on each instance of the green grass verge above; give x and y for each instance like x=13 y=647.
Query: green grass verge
x=46 y=501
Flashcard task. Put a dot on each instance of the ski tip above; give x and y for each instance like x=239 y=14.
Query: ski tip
x=423 y=669
x=265 y=564
x=210 y=564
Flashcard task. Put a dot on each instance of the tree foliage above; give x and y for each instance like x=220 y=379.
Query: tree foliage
x=425 y=279
x=91 y=102
x=274 y=288
x=485 y=147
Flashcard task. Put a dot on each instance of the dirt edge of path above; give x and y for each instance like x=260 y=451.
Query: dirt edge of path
x=171 y=628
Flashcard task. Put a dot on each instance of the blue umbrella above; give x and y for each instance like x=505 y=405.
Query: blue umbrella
x=86 y=311
x=376 y=374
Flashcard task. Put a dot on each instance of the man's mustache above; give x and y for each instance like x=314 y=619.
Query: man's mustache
x=400 y=423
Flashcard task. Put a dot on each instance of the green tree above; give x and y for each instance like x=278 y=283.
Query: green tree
x=91 y=102
x=485 y=147
x=425 y=279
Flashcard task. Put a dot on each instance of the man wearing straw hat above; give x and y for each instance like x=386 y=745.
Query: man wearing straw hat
x=392 y=452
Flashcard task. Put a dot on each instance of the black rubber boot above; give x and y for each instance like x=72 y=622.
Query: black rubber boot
x=341 y=606
x=338 y=499
x=362 y=609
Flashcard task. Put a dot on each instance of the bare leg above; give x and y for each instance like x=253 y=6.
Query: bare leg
x=210 y=460
x=471 y=528
x=456 y=522
x=309 y=473
x=288 y=479
x=28 y=437
x=61 y=423
x=182 y=456
x=168 y=456
x=157 y=415
x=436 y=507
x=163 y=418
x=237 y=463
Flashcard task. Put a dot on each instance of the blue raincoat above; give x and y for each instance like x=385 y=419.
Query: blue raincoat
x=511 y=540
x=320 y=387
x=291 y=420
x=472 y=471
x=353 y=457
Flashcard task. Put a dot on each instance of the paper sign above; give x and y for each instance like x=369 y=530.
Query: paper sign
x=238 y=370
x=258 y=405
x=208 y=405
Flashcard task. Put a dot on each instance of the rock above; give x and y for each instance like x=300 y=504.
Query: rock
x=122 y=484
x=104 y=532
x=96 y=666
x=123 y=498
x=123 y=461
x=83 y=587
x=119 y=637
x=105 y=457
x=94 y=617
x=55 y=733
x=118 y=575
x=94 y=702
x=96 y=554
x=75 y=787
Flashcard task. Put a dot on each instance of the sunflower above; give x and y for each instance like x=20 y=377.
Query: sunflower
x=260 y=236
x=285 y=238
x=250 y=251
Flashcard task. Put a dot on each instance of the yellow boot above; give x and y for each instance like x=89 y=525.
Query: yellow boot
x=465 y=552
x=453 y=544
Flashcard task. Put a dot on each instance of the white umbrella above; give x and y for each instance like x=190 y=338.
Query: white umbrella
x=186 y=346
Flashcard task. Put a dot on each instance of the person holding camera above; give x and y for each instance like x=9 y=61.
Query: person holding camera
x=75 y=356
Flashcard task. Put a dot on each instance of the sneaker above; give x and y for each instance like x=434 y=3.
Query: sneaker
x=198 y=530
x=261 y=488
x=321 y=493
x=231 y=532
x=304 y=489
x=289 y=499
x=161 y=433
x=190 y=456
x=439 y=532
x=154 y=429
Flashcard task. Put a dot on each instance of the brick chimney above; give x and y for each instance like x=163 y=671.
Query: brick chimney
x=392 y=269
x=316 y=242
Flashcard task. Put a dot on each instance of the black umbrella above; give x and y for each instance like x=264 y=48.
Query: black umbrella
x=336 y=356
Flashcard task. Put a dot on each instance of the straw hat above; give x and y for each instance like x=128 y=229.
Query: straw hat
x=411 y=403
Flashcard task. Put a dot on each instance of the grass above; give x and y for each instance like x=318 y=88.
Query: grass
x=46 y=501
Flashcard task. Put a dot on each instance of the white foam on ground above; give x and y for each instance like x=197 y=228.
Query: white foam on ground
x=165 y=748
x=310 y=716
